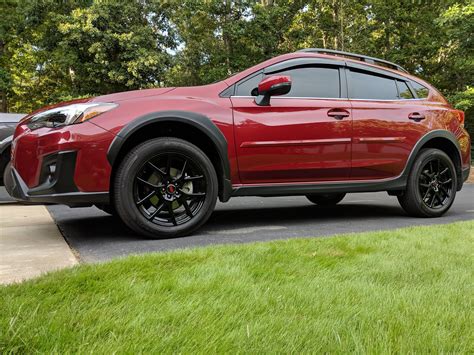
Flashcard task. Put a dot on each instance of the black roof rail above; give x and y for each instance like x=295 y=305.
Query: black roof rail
x=363 y=58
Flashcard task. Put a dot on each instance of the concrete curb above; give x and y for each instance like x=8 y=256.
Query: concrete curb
x=30 y=243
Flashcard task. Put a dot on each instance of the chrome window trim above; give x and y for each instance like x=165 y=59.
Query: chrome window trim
x=327 y=98
x=296 y=97
x=402 y=100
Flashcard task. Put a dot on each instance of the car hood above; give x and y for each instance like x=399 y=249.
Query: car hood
x=128 y=95
x=116 y=97
x=187 y=91
x=135 y=94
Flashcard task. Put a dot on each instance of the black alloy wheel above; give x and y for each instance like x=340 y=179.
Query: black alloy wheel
x=431 y=186
x=435 y=183
x=165 y=187
x=169 y=189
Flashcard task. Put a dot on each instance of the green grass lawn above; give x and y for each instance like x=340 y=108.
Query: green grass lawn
x=407 y=290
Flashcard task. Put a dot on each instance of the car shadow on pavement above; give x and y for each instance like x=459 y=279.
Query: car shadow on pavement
x=79 y=223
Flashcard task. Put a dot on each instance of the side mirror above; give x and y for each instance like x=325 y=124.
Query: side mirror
x=272 y=86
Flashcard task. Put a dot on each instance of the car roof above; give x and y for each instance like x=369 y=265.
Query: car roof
x=305 y=54
x=356 y=56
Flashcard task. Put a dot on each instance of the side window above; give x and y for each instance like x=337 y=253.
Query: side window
x=320 y=82
x=248 y=87
x=421 y=91
x=373 y=87
x=404 y=90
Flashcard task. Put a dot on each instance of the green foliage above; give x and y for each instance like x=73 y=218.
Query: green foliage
x=456 y=76
x=52 y=49
x=74 y=49
x=464 y=100
x=113 y=46
x=394 y=292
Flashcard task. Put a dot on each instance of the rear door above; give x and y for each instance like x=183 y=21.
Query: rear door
x=299 y=137
x=385 y=124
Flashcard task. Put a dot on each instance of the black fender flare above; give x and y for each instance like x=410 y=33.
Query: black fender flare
x=198 y=121
x=439 y=133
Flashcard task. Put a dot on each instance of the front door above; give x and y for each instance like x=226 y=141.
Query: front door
x=303 y=136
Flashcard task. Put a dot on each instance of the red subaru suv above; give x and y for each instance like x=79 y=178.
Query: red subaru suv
x=317 y=122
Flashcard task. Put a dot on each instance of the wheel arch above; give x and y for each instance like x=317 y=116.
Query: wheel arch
x=444 y=141
x=193 y=127
x=5 y=150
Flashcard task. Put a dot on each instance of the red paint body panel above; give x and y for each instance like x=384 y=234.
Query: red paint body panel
x=383 y=137
x=192 y=99
x=90 y=141
x=294 y=140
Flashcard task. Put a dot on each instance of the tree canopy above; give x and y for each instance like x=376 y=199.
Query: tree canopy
x=55 y=50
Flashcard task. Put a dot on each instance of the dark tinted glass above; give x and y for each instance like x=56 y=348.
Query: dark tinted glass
x=246 y=87
x=313 y=82
x=421 y=91
x=403 y=90
x=368 y=86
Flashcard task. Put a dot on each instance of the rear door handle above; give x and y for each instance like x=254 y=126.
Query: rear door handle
x=416 y=116
x=338 y=113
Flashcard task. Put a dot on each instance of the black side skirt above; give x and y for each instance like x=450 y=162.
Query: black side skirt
x=396 y=184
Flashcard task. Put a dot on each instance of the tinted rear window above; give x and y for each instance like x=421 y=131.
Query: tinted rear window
x=404 y=90
x=372 y=87
x=420 y=90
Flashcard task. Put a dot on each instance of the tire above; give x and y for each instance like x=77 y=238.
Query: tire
x=7 y=178
x=4 y=167
x=431 y=186
x=165 y=188
x=326 y=199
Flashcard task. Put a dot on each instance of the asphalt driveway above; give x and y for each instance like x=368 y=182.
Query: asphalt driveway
x=97 y=236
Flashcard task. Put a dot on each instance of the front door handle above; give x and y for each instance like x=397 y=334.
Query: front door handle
x=338 y=113
x=416 y=116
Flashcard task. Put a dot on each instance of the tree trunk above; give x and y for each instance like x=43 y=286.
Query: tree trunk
x=341 y=16
x=3 y=98
x=335 y=23
x=3 y=94
x=226 y=38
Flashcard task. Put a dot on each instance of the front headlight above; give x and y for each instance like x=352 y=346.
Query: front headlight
x=67 y=115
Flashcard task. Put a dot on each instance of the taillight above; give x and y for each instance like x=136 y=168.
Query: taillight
x=460 y=117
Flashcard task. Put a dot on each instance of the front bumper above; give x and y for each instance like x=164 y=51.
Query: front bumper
x=57 y=184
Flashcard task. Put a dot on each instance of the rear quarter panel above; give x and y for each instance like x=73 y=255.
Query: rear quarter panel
x=384 y=136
